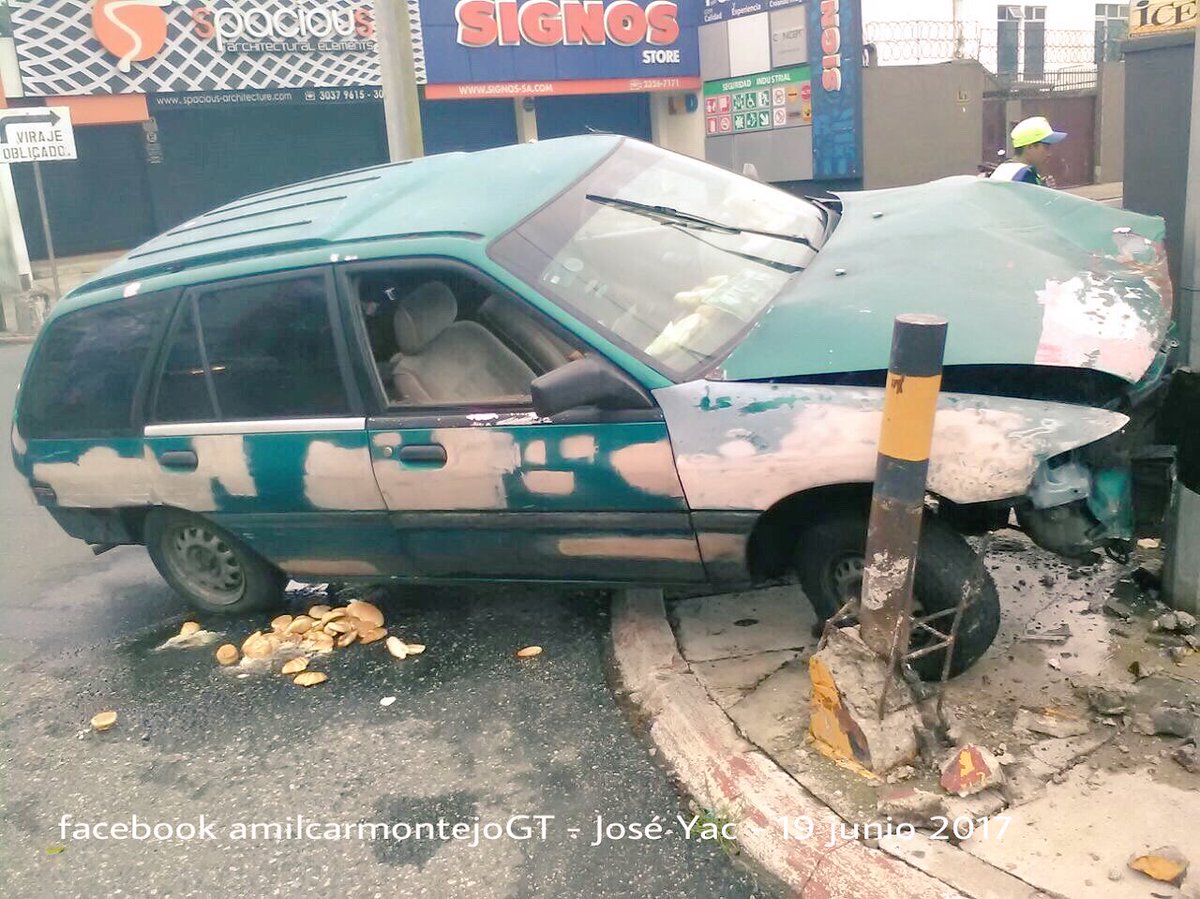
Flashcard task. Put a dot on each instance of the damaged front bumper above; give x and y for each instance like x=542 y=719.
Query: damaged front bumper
x=1118 y=489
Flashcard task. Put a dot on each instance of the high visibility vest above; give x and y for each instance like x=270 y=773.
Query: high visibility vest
x=1011 y=171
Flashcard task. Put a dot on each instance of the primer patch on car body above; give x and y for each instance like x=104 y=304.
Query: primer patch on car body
x=477 y=461
x=338 y=477
x=984 y=448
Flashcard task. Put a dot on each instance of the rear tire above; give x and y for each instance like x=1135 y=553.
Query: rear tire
x=829 y=562
x=209 y=567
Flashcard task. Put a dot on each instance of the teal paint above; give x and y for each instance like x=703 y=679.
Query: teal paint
x=768 y=405
x=1111 y=501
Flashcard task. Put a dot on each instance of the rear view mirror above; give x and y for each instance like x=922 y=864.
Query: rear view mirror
x=586 y=382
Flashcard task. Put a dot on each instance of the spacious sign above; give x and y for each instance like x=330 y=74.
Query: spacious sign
x=1157 y=16
x=476 y=48
x=175 y=46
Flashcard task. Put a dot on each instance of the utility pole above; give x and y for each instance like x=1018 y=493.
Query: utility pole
x=401 y=102
x=1182 y=568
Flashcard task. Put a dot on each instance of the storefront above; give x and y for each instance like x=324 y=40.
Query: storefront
x=181 y=106
x=624 y=66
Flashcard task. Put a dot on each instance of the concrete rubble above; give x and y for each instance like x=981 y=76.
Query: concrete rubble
x=1069 y=716
x=969 y=770
x=1166 y=864
x=1052 y=722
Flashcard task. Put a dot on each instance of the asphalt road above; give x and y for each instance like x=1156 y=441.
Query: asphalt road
x=474 y=736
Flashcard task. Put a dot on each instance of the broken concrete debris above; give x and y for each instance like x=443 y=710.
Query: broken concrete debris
x=1118 y=609
x=529 y=652
x=969 y=770
x=1109 y=699
x=1174 y=722
x=1059 y=634
x=1052 y=722
x=903 y=773
x=1188 y=758
x=908 y=805
x=228 y=654
x=310 y=678
x=1166 y=864
x=847 y=723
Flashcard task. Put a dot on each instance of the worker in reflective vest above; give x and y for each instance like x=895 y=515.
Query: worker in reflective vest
x=1031 y=140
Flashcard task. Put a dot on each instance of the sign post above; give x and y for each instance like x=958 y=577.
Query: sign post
x=35 y=135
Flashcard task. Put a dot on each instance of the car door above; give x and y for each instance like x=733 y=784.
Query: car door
x=254 y=423
x=478 y=486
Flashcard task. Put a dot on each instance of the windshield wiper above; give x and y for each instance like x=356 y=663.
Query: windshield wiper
x=668 y=216
x=690 y=230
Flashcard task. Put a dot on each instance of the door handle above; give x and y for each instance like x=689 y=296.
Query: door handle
x=182 y=459
x=424 y=454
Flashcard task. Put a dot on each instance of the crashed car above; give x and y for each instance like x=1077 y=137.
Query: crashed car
x=591 y=360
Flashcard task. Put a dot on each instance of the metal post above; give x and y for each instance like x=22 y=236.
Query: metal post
x=898 y=503
x=401 y=101
x=1182 y=566
x=41 y=195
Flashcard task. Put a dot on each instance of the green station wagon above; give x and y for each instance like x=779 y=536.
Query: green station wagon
x=590 y=360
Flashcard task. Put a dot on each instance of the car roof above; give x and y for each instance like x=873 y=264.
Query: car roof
x=476 y=195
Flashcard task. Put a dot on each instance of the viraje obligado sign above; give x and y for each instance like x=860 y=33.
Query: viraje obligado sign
x=41 y=134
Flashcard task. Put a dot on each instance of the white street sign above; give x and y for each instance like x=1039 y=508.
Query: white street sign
x=38 y=134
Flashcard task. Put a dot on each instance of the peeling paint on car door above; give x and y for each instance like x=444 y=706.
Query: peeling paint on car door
x=504 y=494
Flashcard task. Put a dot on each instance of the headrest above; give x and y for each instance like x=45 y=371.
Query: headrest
x=422 y=315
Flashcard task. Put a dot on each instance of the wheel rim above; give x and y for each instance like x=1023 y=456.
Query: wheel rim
x=844 y=577
x=206 y=564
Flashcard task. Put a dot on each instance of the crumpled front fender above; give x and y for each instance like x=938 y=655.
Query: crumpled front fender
x=746 y=446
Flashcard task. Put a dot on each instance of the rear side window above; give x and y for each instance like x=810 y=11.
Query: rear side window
x=85 y=375
x=263 y=349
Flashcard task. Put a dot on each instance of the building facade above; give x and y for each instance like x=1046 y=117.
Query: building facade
x=180 y=105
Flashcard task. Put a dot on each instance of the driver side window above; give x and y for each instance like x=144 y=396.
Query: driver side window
x=440 y=338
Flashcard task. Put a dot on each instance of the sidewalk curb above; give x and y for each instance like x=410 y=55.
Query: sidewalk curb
x=16 y=338
x=722 y=770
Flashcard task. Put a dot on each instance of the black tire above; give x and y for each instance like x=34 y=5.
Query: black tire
x=828 y=550
x=208 y=567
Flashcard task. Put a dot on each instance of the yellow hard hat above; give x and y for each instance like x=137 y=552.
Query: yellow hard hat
x=1035 y=130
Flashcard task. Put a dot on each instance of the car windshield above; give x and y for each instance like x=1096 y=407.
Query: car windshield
x=669 y=257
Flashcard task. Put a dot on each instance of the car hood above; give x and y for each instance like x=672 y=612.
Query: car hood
x=1023 y=274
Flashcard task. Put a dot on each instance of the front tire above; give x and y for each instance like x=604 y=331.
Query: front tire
x=208 y=567
x=829 y=563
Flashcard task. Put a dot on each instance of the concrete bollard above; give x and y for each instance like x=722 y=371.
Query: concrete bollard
x=898 y=503
x=862 y=712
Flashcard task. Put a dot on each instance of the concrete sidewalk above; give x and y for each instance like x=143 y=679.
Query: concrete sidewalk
x=1076 y=806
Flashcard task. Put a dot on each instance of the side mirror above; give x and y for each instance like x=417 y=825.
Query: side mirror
x=586 y=382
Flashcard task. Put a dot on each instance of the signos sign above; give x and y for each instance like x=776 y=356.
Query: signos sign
x=544 y=23
x=41 y=134
x=478 y=48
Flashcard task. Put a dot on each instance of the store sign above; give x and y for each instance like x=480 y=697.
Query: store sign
x=1159 y=16
x=513 y=48
x=179 y=46
x=544 y=23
